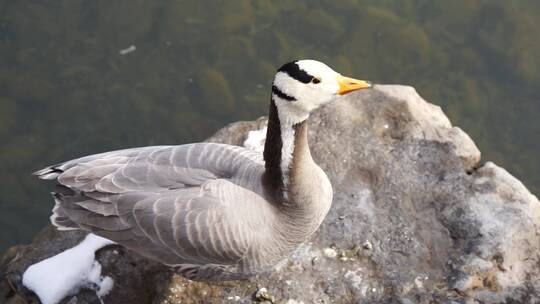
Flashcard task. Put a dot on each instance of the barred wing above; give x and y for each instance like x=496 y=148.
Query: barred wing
x=157 y=168
x=191 y=204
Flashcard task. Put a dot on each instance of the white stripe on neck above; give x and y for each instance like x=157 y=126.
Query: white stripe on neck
x=288 y=117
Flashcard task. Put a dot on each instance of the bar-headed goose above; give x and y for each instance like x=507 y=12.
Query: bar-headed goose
x=211 y=211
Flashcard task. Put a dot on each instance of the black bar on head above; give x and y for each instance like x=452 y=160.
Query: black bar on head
x=293 y=70
x=282 y=95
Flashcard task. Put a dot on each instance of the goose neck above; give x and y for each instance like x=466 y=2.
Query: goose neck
x=286 y=151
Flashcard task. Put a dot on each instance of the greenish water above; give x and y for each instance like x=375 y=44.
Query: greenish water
x=67 y=89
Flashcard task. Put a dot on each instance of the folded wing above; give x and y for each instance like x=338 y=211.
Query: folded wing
x=190 y=204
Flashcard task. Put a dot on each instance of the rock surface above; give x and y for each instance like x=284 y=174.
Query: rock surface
x=416 y=219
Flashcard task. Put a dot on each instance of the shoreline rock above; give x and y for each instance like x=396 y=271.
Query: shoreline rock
x=416 y=219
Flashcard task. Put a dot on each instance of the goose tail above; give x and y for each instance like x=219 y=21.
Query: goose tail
x=51 y=172
x=59 y=217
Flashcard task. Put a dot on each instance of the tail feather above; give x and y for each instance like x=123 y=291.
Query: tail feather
x=59 y=218
x=51 y=172
x=75 y=210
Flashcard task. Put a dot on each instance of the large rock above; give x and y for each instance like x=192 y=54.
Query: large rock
x=416 y=219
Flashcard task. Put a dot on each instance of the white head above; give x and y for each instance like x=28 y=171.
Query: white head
x=302 y=86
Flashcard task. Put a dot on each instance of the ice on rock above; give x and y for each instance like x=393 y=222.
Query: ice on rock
x=65 y=273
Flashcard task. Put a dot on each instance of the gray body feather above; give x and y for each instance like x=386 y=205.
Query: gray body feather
x=199 y=208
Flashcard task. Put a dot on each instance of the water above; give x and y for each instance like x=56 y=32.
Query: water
x=80 y=77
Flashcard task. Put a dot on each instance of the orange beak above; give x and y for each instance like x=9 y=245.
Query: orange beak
x=347 y=85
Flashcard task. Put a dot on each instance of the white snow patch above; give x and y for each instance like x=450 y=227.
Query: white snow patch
x=106 y=285
x=330 y=252
x=255 y=140
x=65 y=273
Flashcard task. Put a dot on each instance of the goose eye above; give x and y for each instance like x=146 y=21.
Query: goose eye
x=315 y=80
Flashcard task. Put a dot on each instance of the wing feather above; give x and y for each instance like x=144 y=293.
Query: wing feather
x=185 y=204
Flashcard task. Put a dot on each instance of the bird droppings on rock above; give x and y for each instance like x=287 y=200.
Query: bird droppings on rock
x=367 y=245
x=419 y=282
x=262 y=295
x=330 y=252
x=233 y=298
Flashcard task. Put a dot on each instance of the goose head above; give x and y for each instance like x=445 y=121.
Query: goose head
x=302 y=86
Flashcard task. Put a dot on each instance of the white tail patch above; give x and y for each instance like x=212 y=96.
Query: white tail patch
x=55 y=216
x=51 y=172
